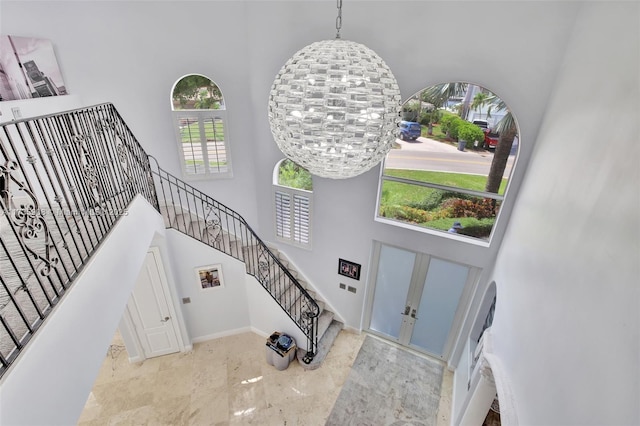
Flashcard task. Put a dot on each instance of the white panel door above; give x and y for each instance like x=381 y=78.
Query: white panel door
x=150 y=311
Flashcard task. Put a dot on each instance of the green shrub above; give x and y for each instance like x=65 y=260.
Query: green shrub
x=454 y=127
x=430 y=117
x=445 y=123
x=435 y=199
x=478 y=208
x=294 y=176
x=405 y=213
x=469 y=132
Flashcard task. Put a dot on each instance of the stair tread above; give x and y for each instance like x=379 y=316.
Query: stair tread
x=324 y=321
x=324 y=345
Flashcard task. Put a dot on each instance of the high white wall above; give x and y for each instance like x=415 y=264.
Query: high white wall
x=567 y=319
x=213 y=312
x=50 y=381
x=241 y=305
x=131 y=53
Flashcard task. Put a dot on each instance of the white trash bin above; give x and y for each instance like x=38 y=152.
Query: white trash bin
x=280 y=350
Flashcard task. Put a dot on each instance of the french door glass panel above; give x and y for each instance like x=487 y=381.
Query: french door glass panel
x=443 y=287
x=395 y=269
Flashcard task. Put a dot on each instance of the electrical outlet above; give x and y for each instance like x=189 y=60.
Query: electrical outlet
x=16 y=113
x=352 y=289
x=186 y=300
x=343 y=286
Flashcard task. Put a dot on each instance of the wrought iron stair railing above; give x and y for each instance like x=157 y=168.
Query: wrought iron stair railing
x=196 y=214
x=65 y=179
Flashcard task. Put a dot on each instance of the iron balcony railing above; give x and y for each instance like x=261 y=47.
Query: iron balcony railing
x=65 y=179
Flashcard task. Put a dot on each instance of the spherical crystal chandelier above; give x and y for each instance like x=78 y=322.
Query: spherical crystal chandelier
x=334 y=107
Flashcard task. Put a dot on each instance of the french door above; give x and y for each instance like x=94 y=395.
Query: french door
x=418 y=300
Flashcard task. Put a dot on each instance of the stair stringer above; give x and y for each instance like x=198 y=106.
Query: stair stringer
x=328 y=325
x=194 y=225
x=308 y=284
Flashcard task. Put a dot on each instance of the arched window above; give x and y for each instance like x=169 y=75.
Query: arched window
x=293 y=203
x=451 y=164
x=199 y=119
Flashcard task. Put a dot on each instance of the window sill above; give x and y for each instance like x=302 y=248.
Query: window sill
x=201 y=177
x=443 y=234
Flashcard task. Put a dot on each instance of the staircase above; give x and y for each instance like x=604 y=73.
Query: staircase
x=328 y=326
x=88 y=164
x=203 y=219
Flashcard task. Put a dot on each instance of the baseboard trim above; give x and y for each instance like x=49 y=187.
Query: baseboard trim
x=226 y=333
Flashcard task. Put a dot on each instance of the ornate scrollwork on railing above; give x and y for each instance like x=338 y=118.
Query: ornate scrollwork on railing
x=263 y=263
x=5 y=175
x=87 y=168
x=28 y=221
x=121 y=152
x=104 y=125
x=212 y=227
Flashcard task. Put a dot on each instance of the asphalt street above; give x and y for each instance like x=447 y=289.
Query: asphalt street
x=429 y=154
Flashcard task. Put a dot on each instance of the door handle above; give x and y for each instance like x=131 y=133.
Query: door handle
x=406 y=310
x=413 y=314
x=165 y=319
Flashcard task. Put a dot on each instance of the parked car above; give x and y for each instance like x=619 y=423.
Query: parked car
x=410 y=130
x=491 y=139
x=483 y=124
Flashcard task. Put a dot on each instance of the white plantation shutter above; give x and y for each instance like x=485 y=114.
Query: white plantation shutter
x=283 y=216
x=301 y=219
x=203 y=143
x=293 y=215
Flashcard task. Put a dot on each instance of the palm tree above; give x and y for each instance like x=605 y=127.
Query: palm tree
x=439 y=94
x=479 y=101
x=508 y=129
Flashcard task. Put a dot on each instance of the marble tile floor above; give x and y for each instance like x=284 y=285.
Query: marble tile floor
x=225 y=381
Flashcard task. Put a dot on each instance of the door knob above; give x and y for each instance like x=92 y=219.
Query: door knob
x=413 y=314
x=406 y=310
x=165 y=319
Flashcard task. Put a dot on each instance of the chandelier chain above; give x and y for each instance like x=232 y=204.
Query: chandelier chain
x=339 y=18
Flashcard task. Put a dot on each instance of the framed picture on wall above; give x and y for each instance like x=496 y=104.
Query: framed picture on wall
x=28 y=69
x=209 y=277
x=349 y=269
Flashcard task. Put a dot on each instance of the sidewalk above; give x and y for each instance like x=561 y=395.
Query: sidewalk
x=432 y=145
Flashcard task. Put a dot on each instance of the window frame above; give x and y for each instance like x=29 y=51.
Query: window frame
x=479 y=241
x=433 y=231
x=217 y=115
x=296 y=231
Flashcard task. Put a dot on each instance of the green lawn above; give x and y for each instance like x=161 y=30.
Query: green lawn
x=191 y=133
x=458 y=180
x=422 y=206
